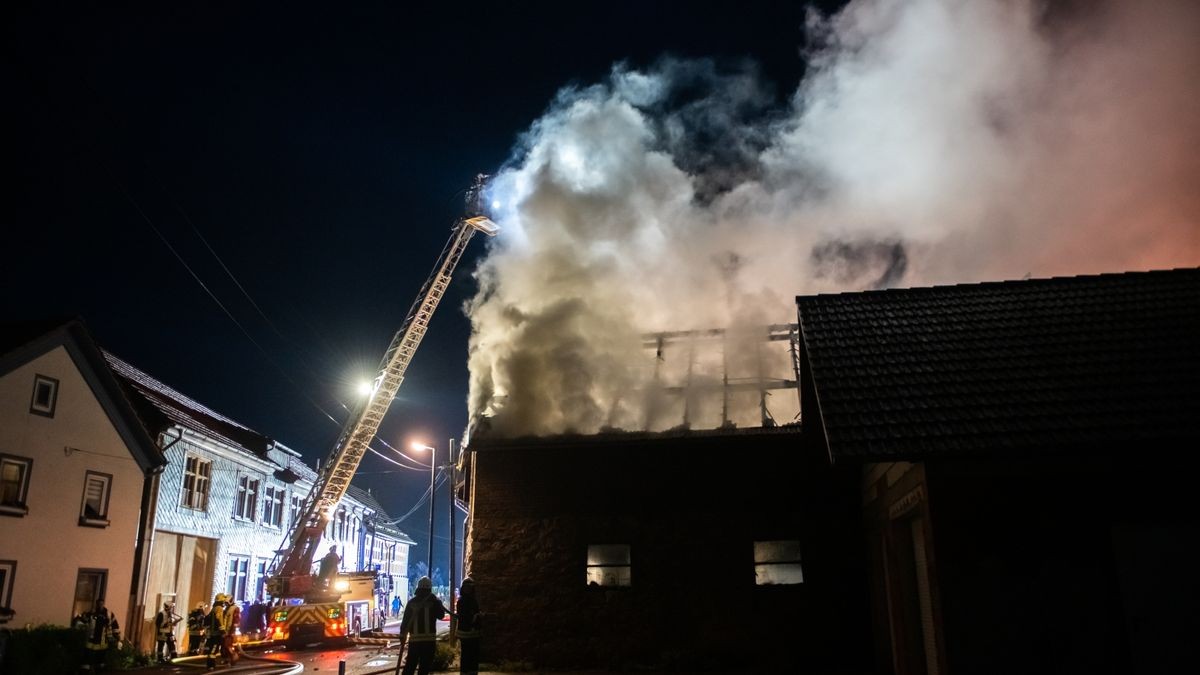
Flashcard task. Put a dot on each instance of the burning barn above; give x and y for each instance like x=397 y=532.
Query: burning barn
x=693 y=548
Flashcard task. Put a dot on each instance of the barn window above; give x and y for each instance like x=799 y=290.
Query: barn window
x=777 y=563
x=608 y=565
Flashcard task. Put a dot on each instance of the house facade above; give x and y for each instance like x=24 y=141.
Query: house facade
x=687 y=550
x=75 y=465
x=225 y=503
x=1027 y=460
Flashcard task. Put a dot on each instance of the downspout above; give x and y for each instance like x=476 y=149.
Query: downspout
x=145 y=547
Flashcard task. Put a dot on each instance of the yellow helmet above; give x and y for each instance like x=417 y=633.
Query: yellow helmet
x=221 y=597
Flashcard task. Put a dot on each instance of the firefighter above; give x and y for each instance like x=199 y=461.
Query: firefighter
x=418 y=629
x=329 y=566
x=221 y=625
x=469 y=619
x=164 y=638
x=96 y=625
x=195 y=626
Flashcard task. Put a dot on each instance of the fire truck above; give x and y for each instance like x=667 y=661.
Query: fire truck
x=320 y=614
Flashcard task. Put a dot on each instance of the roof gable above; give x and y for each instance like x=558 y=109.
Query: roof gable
x=26 y=342
x=999 y=366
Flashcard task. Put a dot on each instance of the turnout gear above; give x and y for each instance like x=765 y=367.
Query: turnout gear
x=195 y=626
x=221 y=625
x=469 y=617
x=418 y=629
x=164 y=626
x=98 y=628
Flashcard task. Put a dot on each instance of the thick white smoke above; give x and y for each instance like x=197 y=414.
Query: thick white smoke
x=933 y=141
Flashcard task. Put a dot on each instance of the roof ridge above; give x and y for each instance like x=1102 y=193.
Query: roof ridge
x=141 y=377
x=998 y=283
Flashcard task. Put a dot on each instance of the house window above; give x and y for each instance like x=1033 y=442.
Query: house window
x=8 y=570
x=235 y=582
x=777 y=563
x=340 y=527
x=45 y=395
x=97 y=487
x=89 y=587
x=14 y=484
x=197 y=475
x=608 y=565
x=247 y=498
x=273 y=506
x=296 y=505
x=260 y=579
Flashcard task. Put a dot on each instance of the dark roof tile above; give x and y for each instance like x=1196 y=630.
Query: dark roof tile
x=1015 y=364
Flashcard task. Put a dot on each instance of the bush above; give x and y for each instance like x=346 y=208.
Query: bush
x=57 y=650
x=44 y=649
x=443 y=655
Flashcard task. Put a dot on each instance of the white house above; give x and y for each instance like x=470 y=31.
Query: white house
x=225 y=502
x=75 y=464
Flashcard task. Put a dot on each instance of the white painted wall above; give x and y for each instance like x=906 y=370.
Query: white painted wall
x=48 y=543
x=235 y=536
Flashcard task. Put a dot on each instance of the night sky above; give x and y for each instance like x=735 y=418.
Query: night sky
x=321 y=153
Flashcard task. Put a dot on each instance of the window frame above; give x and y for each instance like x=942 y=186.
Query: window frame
x=260 y=579
x=245 y=503
x=236 y=576
x=46 y=410
x=101 y=519
x=20 y=507
x=273 y=502
x=188 y=496
x=339 y=529
x=100 y=590
x=296 y=502
x=595 y=551
x=767 y=561
x=7 y=582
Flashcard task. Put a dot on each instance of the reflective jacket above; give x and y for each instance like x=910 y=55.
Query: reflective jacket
x=97 y=625
x=421 y=615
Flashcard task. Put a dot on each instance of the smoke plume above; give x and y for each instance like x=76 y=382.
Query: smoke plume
x=932 y=141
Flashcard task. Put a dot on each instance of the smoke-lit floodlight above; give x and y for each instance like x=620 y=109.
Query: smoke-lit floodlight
x=495 y=204
x=342 y=585
x=365 y=388
x=418 y=446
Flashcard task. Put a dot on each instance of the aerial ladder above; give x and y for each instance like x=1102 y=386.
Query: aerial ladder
x=293 y=577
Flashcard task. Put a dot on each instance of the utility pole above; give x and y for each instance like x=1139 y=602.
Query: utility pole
x=453 y=573
x=432 y=504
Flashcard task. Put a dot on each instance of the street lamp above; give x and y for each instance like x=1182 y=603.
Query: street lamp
x=432 y=472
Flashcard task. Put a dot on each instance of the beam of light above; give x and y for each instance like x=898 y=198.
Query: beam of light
x=365 y=388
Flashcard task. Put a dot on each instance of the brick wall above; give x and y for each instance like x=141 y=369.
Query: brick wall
x=690 y=508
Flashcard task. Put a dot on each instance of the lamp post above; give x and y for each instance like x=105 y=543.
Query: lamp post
x=432 y=475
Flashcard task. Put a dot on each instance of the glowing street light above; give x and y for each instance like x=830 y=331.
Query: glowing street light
x=432 y=469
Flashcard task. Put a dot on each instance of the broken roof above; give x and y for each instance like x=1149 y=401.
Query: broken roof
x=1034 y=364
x=482 y=439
